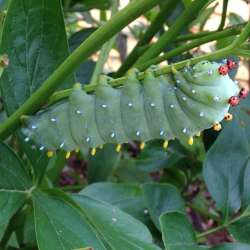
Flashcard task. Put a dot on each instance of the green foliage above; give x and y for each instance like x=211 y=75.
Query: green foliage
x=136 y=199
x=161 y=198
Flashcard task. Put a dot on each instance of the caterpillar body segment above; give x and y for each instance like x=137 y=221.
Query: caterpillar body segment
x=178 y=105
x=155 y=111
x=108 y=113
x=177 y=118
x=132 y=106
x=82 y=114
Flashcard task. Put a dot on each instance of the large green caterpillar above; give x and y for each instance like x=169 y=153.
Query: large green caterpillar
x=178 y=105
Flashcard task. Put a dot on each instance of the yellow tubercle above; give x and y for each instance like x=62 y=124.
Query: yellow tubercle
x=217 y=126
x=142 y=145
x=101 y=146
x=191 y=141
x=118 y=148
x=77 y=150
x=50 y=154
x=165 y=144
x=67 y=154
x=93 y=151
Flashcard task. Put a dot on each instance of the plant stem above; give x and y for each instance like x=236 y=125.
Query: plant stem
x=104 y=53
x=203 y=212
x=155 y=26
x=188 y=14
x=222 y=227
x=243 y=52
x=119 y=81
x=213 y=230
x=8 y=232
x=66 y=4
x=242 y=37
x=90 y=45
x=214 y=36
x=224 y=15
x=74 y=187
x=193 y=36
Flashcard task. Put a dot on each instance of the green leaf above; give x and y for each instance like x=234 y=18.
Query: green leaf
x=37 y=158
x=177 y=231
x=246 y=186
x=176 y=177
x=224 y=175
x=128 y=197
x=90 y=4
x=10 y=202
x=102 y=165
x=161 y=198
x=154 y=157
x=127 y=171
x=35 y=40
x=26 y=233
x=118 y=229
x=232 y=246
x=241 y=230
x=235 y=19
x=186 y=3
x=14 y=181
x=13 y=176
x=59 y=225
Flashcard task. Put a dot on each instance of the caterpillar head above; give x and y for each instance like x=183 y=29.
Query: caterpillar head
x=214 y=80
x=203 y=66
x=205 y=73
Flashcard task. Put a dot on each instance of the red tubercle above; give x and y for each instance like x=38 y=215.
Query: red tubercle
x=223 y=70
x=231 y=64
x=234 y=101
x=243 y=93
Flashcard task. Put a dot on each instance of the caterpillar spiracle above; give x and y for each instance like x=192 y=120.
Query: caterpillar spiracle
x=178 y=105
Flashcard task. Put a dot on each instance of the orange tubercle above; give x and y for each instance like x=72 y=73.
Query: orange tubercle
x=217 y=126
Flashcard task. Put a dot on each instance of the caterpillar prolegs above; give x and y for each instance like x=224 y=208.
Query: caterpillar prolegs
x=178 y=105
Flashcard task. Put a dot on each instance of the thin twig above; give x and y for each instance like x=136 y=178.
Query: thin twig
x=224 y=15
